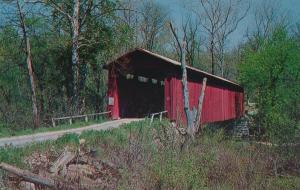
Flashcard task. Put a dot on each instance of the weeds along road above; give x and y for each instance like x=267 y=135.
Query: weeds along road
x=39 y=137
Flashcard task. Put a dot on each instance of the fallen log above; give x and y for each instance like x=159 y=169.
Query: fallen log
x=61 y=161
x=36 y=179
x=28 y=176
x=25 y=185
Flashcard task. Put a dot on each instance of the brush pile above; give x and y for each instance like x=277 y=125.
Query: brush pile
x=70 y=170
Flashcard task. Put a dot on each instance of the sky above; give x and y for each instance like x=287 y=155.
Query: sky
x=178 y=9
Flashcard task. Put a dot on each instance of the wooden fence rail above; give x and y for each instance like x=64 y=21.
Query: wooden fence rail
x=155 y=114
x=86 y=116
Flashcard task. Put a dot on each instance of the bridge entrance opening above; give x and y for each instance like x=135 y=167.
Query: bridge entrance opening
x=139 y=96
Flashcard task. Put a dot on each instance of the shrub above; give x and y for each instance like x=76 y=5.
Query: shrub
x=279 y=127
x=270 y=75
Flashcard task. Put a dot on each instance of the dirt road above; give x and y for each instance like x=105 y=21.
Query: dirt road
x=39 y=137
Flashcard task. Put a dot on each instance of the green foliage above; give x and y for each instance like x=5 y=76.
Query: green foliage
x=271 y=76
x=279 y=126
x=102 y=36
x=14 y=93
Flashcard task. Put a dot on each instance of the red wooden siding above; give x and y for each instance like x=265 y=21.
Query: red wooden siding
x=112 y=92
x=219 y=104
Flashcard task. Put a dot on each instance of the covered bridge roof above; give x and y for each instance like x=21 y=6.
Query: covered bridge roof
x=131 y=54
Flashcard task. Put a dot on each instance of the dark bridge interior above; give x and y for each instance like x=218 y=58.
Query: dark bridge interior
x=139 y=99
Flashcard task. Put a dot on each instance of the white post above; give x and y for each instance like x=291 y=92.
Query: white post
x=152 y=116
x=160 y=116
x=53 y=122
x=70 y=121
x=86 y=118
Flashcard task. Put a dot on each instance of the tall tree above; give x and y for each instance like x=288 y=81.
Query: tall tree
x=36 y=119
x=193 y=41
x=130 y=16
x=219 y=19
x=152 y=22
x=234 y=17
x=76 y=13
x=271 y=75
x=75 y=20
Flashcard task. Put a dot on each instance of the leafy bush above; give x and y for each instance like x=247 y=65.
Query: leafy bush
x=279 y=127
x=271 y=76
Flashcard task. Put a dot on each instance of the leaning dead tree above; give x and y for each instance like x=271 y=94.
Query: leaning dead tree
x=36 y=119
x=193 y=116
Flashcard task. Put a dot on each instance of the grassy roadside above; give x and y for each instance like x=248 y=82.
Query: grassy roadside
x=148 y=157
x=9 y=132
x=16 y=155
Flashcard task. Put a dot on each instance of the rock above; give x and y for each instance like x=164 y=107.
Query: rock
x=241 y=127
x=169 y=136
x=81 y=141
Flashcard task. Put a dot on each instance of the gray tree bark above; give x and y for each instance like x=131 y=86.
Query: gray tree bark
x=193 y=116
x=28 y=176
x=200 y=104
x=36 y=119
x=75 y=22
x=75 y=52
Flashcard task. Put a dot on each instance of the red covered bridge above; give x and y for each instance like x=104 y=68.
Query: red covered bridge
x=141 y=82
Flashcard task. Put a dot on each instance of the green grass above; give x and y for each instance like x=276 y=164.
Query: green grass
x=16 y=155
x=9 y=132
x=213 y=161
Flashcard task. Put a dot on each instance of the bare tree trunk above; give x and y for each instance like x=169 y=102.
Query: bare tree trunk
x=28 y=176
x=192 y=116
x=200 y=105
x=36 y=119
x=218 y=16
x=221 y=55
x=75 y=53
x=222 y=63
x=75 y=22
x=212 y=49
x=188 y=113
x=190 y=30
